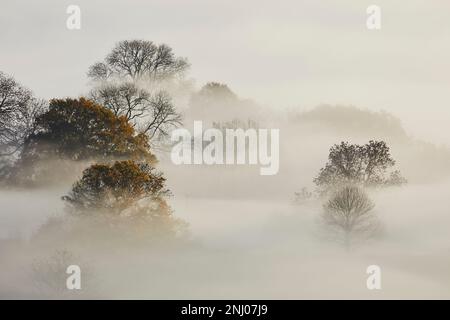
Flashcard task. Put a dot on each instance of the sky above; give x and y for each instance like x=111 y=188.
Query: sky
x=282 y=54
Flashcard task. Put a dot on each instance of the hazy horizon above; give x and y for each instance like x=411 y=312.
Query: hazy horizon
x=283 y=55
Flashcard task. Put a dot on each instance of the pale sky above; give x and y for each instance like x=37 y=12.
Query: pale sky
x=283 y=54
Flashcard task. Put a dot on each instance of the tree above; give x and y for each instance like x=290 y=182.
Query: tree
x=18 y=111
x=302 y=196
x=150 y=115
x=213 y=91
x=126 y=196
x=112 y=189
x=219 y=100
x=366 y=165
x=348 y=215
x=139 y=59
x=114 y=204
x=163 y=116
x=235 y=124
x=77 y=130
x=123 y=99
x=125 y=80
x=213 y=95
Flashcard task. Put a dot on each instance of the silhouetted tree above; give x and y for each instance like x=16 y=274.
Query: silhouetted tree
x=138 y=59
x=348 y=215
x=126 y=83
x=77 y=130
x=114 y=188
x=302 y=196
x=18 y=111
x=367 y=165
x=162 y=117
x=49 y=274
x=150 y=115
x=125 y=196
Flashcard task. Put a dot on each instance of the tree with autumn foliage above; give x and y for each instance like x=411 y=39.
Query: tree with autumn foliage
x=115 y=188
x=348 y=216
x=125 y=195
x=79 y=130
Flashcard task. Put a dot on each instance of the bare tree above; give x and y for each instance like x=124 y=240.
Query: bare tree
x=123 y=99
x=18 y=110
x=152 y=115
x=121 y=83
x=302 y=196
x=348 y=215
x=138 y=59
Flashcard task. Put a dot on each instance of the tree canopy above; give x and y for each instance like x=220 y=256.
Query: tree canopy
x=138 y=59
x=128 y=83
x=152 y=115
x=367 y=165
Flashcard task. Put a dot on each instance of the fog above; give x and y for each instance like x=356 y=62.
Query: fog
x=247 y=237
x=310 y=69
x=268 y=249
